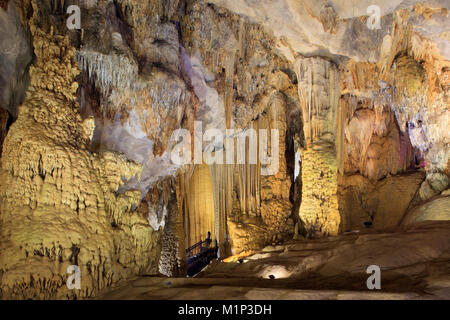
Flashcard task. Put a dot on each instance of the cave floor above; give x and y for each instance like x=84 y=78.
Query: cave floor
x=414 y=263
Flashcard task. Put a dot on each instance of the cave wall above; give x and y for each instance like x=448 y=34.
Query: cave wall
x=392 y=132
x=383 y=115
x=261 y=212
x=86 y=176
x=107 y=105
x=255 y=88
x=60 y=203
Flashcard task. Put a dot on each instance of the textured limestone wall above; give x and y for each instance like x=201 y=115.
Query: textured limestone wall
x=417 y=65
x=141 y=99
x=393 y=115
x=244 y=83
x=262 y=207
x=137 y=73
x=190 y=61
x=60 y=203
x=86 y=176
x=372 y=148
x=275 y=201
x=318 y=90
x=173 y=257
x=382 y=203
x=212 y=67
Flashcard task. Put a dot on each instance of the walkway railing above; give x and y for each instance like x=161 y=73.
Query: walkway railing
x=199 y=256
x=196 y=249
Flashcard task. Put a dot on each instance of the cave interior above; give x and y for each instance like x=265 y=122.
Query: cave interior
x=247 y=149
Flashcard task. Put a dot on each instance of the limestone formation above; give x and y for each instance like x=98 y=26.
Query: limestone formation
x=437 y=209
x=68 y=210
x=327 y=120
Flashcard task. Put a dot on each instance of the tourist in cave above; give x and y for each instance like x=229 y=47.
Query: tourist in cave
x=208 y=240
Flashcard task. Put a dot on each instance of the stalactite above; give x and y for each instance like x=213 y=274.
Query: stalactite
x=222 y=187
x=318 y=92
x=108 y=71
x=197 y=196
x=228 y=98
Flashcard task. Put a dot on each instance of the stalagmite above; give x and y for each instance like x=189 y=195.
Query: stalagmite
x=77 y=216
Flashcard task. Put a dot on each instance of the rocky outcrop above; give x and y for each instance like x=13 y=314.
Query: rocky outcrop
x=436 y=209
x=380 y=204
